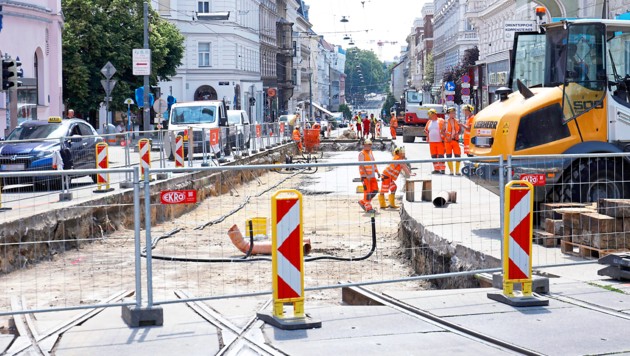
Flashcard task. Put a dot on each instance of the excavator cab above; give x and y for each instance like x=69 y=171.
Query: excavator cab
x=569 y=93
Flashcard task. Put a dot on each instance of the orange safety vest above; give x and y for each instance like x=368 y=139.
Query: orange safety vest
x=393 y=123
x=393 y=170
x=452 y=130
x=317 y=127
x=469 y=123
x=296 y=136
x=367 y=171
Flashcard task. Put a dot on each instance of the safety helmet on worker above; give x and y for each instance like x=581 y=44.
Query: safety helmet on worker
x=367 y=141
x=399 y=150
x=432 y=111
x=451 y=109
x=468 y=107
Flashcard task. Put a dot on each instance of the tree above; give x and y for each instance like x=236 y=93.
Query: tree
x=365 y=74
x=389 y=103
x=98 y=31
x=345 y=109
x=455 y=74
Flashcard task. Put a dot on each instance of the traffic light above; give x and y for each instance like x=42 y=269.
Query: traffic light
x=10 y=73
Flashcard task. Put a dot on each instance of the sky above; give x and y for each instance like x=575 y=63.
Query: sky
x=368 y=23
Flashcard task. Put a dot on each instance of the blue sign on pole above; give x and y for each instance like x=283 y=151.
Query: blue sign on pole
x=449 y=86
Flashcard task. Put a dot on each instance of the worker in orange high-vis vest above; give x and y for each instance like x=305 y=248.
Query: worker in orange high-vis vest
x=297 y=138
x=368 y=176
x=393 y=125
x=470 y=119
x=451 y=140
x=434 y=130
x=389 y=176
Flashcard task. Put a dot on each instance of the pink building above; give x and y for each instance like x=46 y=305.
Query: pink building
x=31 y=30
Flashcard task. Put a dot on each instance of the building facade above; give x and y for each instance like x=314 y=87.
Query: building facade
x=222 y=58
x=32 y=31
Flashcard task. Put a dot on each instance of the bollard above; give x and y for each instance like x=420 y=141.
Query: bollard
x=252 y=139
x=517 y=247
x=189 y=136
x=144 y=147
x=282 y=133
x=287 y=263
x=204 y=162
x=102 y=162
x=178 y=154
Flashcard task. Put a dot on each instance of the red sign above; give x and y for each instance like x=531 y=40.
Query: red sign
x=178 y=197
x=450 y=97
x=282 y=128
x=465 y=91
x=535 y=179
x=258 y=131
x=214 y=136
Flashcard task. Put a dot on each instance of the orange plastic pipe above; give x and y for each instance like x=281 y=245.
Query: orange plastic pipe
x=260 y=247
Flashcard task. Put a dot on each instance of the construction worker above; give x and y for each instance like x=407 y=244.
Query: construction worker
x=434 y=129
x=297 y=137
x=368 y=176
x=470 y=119
x=366 y=126
x=451 y=140
x=388 y=179
x=358 y=120
x=393 y=125
x=373 y=123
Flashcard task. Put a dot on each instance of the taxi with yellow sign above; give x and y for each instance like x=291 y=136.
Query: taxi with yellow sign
x=48 y=145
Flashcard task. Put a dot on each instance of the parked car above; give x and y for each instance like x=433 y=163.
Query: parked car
x=33 y=145
x=239 y=128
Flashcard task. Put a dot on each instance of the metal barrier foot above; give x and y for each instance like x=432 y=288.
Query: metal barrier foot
x=140 y=317
x=65 y=196
x=125 y=185
x=161 y=176
x=100 y=191
x=299 y=323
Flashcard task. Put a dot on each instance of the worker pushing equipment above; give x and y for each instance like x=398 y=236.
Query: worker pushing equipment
x=451 y=140
x=434 y=130
x=393 y=125
x=389 y=179
x=368 y=176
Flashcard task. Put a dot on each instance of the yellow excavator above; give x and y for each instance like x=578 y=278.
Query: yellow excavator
x=569 y=93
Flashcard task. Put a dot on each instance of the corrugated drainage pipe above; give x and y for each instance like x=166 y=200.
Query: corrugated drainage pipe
x=443 y=198
x=260 y=247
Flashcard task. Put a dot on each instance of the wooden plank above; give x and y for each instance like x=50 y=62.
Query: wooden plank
x=546 y=239
x=618 y=208
x=571 y=216
x=554 y=226
x=549 y=210
x=584 y=251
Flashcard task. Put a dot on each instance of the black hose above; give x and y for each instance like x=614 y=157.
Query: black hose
x=266 y=259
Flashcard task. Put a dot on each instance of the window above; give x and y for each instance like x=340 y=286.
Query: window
x=164 y=7
x=540 y=127
x=204 y=54
x=203 y=7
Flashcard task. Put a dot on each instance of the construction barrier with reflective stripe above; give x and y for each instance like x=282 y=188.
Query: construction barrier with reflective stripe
x=517 y=241
x=179 y=151
x=144 y=146
x=287 y=252
x=102 y=162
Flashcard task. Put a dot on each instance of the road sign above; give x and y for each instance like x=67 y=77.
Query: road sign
x=128 y=101
x=450 y=98
x=535 y=179
x=108 y=70
x=465 y=78
x=160 y=105
x=141 y=62
x=511 y=27
x=449 y=86
x=107 y=98
x=465 y=85
x=178 y=197
x=466 y=99
x=465 y=91
x=108 y=85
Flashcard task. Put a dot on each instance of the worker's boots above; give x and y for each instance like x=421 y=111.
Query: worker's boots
x=392 y=201
x=381 y=201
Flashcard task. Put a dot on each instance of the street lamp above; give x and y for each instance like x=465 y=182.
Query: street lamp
x=343 y=19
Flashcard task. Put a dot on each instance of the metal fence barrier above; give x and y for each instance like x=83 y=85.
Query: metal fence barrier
x=75 y=257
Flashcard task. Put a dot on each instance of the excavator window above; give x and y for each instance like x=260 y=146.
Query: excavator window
x=618 y=64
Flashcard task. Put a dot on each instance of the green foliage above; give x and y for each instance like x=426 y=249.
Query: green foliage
x=347 y=113
x=97 y=31
x=389 y=103
x=375 y=75
x=471 y=56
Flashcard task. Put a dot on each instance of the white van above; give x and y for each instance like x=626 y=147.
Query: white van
x=239 y=120
x=198 y=115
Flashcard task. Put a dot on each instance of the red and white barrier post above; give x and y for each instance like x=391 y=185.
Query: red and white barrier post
x=287 y=256
x=102 y=162
x=179 y=151
x=144 y=147
x=517 y=247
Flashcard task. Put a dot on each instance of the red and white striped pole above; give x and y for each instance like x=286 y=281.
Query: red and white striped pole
x=102 y=162
x=179 y=151
x=517 y=246
x=287 y=264
x=144 y=146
